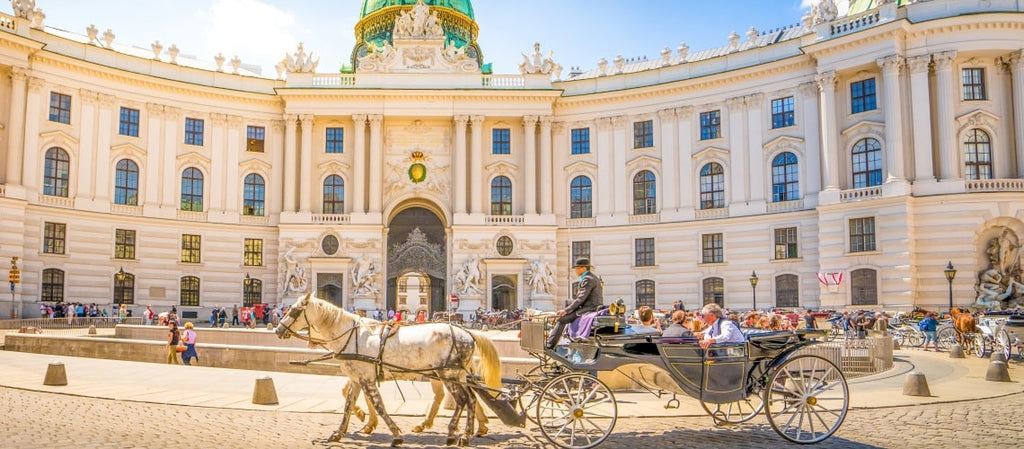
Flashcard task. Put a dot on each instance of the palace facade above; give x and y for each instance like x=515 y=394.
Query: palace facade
x=844 y=160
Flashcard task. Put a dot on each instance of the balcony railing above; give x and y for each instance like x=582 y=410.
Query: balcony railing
x=996 y=185
x=58 y=201
x=865 y=193
x=644 y=218
x=254 y=219
x=853 y=23
x=124 y=209
x=581 y=222
x=188 y=215
x=334 y=80
x=8 y=23
x=503 y=81
x=718 y=212
x=785 y=206
x=504 y=219
x=330 y=218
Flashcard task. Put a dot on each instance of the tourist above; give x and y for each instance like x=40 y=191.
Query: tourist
x=421 y=317
x=678 y=329
x=929 y=325
x=222 y=320
x=213 y=316
x=720 y=330
x=173 y=337
x=647 y=322
x=588 y=298
x=234 y=315
x=189 y=337
x=809 y=322
x=148 y=315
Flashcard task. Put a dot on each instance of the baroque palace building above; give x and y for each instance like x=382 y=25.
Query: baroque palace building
x=844 y=159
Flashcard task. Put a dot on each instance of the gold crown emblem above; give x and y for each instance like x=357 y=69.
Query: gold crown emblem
x=417 y=155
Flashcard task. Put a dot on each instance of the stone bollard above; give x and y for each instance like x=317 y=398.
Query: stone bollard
x=264 y=392
x=896 y=345
x=92 y=329
x=270 y=327
x=956 y=352
x=997 y=372
x=998 y=356
x=56 y=376
x=916 y=385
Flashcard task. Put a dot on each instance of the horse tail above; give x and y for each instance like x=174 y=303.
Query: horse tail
x=490 y=363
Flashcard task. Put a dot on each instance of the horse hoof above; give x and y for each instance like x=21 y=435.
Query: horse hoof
x=397 y=442
x=450 y=441
x=335 y=437
x=418 y=429
x=481 y=431
x=463 y=442
x=366 y=430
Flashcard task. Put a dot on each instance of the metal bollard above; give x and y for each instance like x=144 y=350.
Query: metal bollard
x=916 y=385
x=264 y=392
x=56 y=375
x=956 y=352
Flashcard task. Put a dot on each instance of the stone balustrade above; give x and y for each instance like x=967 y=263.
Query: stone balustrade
x=504 y=220
x=857 y=22
x=996 y=185
x=330 y=218
x=865 y=193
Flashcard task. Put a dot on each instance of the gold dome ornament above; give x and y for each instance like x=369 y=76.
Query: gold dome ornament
x=417 y=170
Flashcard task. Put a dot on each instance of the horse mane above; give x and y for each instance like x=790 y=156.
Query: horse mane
x=330 y=315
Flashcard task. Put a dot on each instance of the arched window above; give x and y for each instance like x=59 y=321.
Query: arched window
x=714 y=291
x=190 y=291
x=334 y=195
x=864 y=287
x=712 y=186
x=645 y=293
x=56 y=172
x=501 y=196
x=192 y=190
x=124 y=288
x=644 y=193
x=787 y=290
x=867 y=163
x=53 y=285
x=978 y=155
x=252 y=292
x=785 y=178
x=252 y=198
x=580 y=199
x=126 y=183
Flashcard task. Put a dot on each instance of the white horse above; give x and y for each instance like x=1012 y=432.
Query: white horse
x=437 y=349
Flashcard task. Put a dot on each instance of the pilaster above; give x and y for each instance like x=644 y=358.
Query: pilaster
x=476 y=190
x=86 y=147
x=755 y=151
x=219 y=155
x=167 y=154
x=829 y=131
x=376 y=162
x=530 y=163
x=545 y=166
x=16 y=126
x=33 y=115
x=104 y=128
x=154 y=135
x=945 y=88
x=235 y=145
x=306 y=164
x=605 y=163
x=922 y=121
x=622 y=201
x=891 y=67
x=1016 y=65
x=737 y=167
x=358 y=189
x=685 y=173
x=459 y=171
x=669 y=185
x=811 y=172
x=290 y=173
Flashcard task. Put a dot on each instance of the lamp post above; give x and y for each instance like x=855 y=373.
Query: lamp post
x=753 y=288
x=119 y=294
x=950 y=274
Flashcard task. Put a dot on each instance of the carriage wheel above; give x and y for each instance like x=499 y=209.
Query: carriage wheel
x=915 y=338
x=980 y=346
x=576 y=411
x=807 y=399
x=946 y=337
x=832 y=333
x=538 y=377
x=1002 y=343
x=737 y=412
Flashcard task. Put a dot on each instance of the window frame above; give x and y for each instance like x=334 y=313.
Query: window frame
x=783 y=112
x=786 y=241
x=973 y=81
x=579 y=140
x=124 y=244
x=712 y=248
x=861 y=294
x=255 y=138
x=974 y=168
x=191 y=248
x=501 y=141
x=785 y=177
x=189 y=292
x=501 y=196
x=254 y=195
x=787 y=291
x=128 y=122
x=333 y=201
x=57 y=172
x=643 y=134
x=252 y=252
x=124 y=289
x=252 y=292
x=52 y=288
x=712 y=290
x=646 y=293
x=581 y=197
x=55 y=238
x=645 y=193
x=861 y=100
x=504 y=246
x=191 y=196
x=126 y=183
x=711 y=125
x=866 y=163
x=576 y=250
x=712 y=186
x=60 y=108
x=334 y=140
x=862 y=239
x=644 y=252
x=194 y=130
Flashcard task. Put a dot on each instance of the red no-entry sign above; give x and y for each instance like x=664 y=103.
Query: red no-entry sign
x=453 y=297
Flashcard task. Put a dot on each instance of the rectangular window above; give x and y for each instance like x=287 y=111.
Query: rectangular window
x=255 y=136
x=501 y=141
x=581 y=141
x=335 y=141
x=862 y=234
x=253 y=253
x=54 y=235
x=124 y=244
x=129 y=124
x=785 y=243
x=60 y=108
x=644 y=252
x=194 y=131
x=782 y=112
x=191 y=245
x=974 y=85
x=643 y=134
x=862 y=96
x=710 y=125
x=711 y=246
x=580 y=249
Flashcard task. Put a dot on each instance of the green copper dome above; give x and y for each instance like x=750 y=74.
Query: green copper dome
x=462 y=6
x=377 y=20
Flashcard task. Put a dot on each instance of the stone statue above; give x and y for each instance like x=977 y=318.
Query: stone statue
x=299 y=62
x=364 y=275
x=1000 y=285
x=824 y=12
x=419 y=23
x=467 y=278
x=541 y=278
x=23 y=8
x=295 y=278
x=536 y=62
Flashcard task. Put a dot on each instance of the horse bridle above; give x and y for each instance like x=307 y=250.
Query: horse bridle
x=296 y=311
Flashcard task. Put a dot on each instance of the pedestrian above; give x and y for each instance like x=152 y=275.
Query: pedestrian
x=148 y=314
x=234 y=315
x=809 y=322
x=173 y=337
x=222 y=320
x=213 y=316
x=589 y=297
x=929 y=325
x=189 y=337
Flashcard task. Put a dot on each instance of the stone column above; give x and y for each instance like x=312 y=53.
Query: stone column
x=459 y=172
x=235 y=145
x=168 y=153
x=276 y=142
x=737 y=170
x=605 y=163
x=87 y=144
x=218 y=173
x=620 y=183
x=687 y=183
x=669 y=190
x=945 y=89
x=755 y=148
x=811 y=172
x=545 y=165
x=1016 y=65
x=306 y=164
x=154 y=126
x=376 y=163
x=893 y=101
x=104 y=128
x=561 y=149
x=829 y=136
x=289 y=162
x=922 y=118
x=476 y=190
x=358 y=187
x=32 y=152
x=530 y=163
x=16 y=126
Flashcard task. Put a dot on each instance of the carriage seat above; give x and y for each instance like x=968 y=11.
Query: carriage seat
x=767 y=339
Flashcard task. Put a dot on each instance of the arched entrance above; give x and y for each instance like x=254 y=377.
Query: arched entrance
x=503 y=293
x=417 y=261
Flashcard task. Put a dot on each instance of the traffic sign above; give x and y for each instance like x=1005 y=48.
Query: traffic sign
x=453 y=297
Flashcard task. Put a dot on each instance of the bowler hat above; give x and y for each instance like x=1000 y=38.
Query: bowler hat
x=582 y=262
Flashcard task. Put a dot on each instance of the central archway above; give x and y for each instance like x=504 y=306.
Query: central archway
x=416 y=250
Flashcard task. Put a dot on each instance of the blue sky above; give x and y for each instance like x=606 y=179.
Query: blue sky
x=580 y=32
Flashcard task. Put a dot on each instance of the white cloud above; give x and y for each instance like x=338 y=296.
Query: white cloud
x=842 y=5
x=258 y=32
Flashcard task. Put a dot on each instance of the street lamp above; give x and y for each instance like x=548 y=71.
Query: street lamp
x=119 y=286
x=248 y=280
x=950 y=274
x=753 y=288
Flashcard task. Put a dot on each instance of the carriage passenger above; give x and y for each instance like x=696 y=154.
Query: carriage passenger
x=720 y=330
x=647 y=322
x=677 y=332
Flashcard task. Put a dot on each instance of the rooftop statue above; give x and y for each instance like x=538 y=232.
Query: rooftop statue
x=23 y=8
x=536 y=63
x=419 y=23
x=298 y=62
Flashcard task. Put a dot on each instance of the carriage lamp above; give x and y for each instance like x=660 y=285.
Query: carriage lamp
x=950 y=274
x=753 y=288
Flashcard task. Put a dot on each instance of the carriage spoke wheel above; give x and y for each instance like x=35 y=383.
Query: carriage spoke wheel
x=979 y=346
x=737 y=412
x=1002 y=343
x=537 y=378
x=576 y=411
x=915 y=338
x=807 y=399
x=946 y=337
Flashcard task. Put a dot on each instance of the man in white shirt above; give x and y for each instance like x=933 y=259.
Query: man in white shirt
x=719 y=330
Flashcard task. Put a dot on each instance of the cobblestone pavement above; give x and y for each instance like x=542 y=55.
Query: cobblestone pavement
x=46 y=420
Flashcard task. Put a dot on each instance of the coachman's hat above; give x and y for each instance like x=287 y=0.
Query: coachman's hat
x=582 y=262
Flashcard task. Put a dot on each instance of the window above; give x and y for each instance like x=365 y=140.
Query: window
x=580 y=202
x=190 y=291
x=710 y=125
x=643 y=134
x=330 y=245
x=193 y=131
x=252 y=197
x=56 y=172
x=504 y=245
x=581 y=141
x=54 y=235
x=255 y=137
x=124 y=244
x=978 y=155
x=862 y=234
x=124 y=288
x=252 y=292
x=644 y=193
x=335 y=140
x=714 y=291
x=974 y=85
x=53 y=285
x=334 y=195
x=580 y=249
x=60 y=108
x=864 y=287
x=126 y=183
x=785 y=243
x=712 y=186
x=785 y=178
x=862 y=96
x=191 y=248
x=501 y=142
x=782 y=112
x=711 y=248
x=645 y=293
x=501 y=196
x=867 y=163
x=253 y=256
x=644 y=252
x=129 y=124
x=192 y=190
x=787 y=291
